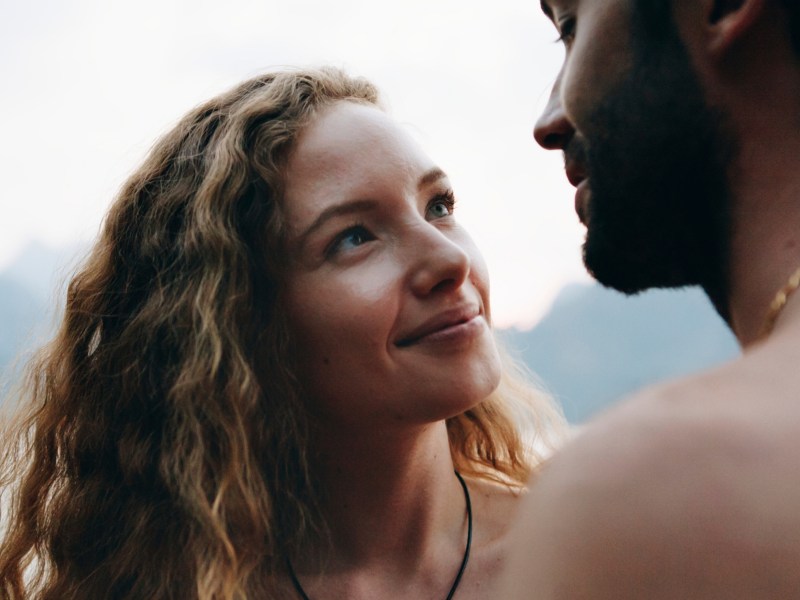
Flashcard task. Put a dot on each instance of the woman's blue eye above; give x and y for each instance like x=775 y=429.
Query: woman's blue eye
x=350 y=238
x=441 y=206
x=440 y=209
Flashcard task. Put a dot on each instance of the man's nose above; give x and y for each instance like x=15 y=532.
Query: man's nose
x=553 y=130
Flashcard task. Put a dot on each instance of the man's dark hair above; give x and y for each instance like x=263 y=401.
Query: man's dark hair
x=657 y=16
x=793 y=11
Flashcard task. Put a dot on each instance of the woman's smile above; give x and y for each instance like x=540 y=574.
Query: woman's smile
x=455 y=325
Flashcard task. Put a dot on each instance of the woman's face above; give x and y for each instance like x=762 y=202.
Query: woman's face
x=387 y=295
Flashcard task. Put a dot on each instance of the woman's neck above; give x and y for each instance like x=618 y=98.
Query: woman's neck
x=390 y=497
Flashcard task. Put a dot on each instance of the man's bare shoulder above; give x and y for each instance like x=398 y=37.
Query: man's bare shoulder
x=687 y=490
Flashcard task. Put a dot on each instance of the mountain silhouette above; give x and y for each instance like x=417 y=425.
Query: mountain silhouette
x=596 y=345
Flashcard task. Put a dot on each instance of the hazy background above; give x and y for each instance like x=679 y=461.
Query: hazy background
x=88 y=85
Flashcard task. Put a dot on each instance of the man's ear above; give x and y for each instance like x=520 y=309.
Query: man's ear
x=728 y=20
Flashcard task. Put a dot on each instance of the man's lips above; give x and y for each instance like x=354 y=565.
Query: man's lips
x=583 y=196
x=439 y=323
x=575 y=159
x=575 y=173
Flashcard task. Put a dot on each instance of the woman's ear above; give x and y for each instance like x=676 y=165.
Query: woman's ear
x=728 y=20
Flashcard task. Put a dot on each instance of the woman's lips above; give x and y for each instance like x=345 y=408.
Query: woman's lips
x=446 y=326
x=457 y=333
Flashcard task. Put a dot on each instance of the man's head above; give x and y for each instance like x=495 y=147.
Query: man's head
x=658 y=11
x=650 y=155
x=792 y=8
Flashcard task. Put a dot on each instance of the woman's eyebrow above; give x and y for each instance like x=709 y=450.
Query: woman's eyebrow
x=430 y=176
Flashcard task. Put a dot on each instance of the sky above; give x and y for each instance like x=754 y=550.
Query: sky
x=89 y=85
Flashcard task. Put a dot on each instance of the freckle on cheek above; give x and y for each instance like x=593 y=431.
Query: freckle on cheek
x=326 y=360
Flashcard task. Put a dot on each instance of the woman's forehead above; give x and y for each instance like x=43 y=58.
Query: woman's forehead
x=351 y=150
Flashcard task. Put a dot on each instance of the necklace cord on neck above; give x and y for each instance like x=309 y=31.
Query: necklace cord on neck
x=464 y=560
x=295 y=582
x=301 y=592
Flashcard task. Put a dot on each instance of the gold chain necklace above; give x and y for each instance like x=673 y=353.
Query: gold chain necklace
x=778 y=303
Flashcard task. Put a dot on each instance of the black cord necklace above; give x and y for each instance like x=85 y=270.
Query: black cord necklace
x=461 y=569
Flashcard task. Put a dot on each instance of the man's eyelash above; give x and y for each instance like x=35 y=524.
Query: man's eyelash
x=566 y=30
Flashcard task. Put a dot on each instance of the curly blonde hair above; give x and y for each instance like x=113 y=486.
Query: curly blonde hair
x=163 y=450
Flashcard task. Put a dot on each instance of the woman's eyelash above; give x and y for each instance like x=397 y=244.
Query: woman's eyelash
x=336 y=243
x=447 y=198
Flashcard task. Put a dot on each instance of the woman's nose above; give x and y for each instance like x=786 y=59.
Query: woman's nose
x=553 y=130
x=440 y=263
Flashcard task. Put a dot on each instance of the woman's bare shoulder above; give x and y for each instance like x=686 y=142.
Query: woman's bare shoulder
x=495 y=504
x=495 y=507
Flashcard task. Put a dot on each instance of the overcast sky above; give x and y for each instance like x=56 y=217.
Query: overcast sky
x=88 y=85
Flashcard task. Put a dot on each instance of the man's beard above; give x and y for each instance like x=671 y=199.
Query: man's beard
x=657 y=157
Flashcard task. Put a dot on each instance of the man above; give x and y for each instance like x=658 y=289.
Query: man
x=680 y=125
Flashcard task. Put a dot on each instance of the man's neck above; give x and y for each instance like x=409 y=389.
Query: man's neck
x=765 y=245
x=756 y=84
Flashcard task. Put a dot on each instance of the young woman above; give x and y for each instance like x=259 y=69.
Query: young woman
x=276 y=375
